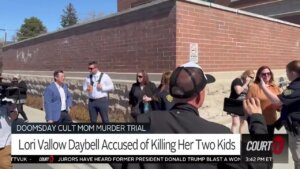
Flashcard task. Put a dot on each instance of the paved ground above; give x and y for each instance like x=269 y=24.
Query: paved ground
x=36 y=115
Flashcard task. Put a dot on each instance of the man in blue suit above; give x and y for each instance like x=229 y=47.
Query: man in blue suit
x=57 y=100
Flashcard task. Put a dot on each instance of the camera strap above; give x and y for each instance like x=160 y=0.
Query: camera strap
x=99 y=80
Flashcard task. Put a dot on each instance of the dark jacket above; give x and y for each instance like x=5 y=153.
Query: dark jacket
x=136 y=97
x=163 y=100
x=184 y=118
x=290 y=112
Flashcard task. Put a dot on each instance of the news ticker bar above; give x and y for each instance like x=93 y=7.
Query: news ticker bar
x=121 y=159
x=82 y=128
x=120 y=139
x=251 y=148
x=126 y=144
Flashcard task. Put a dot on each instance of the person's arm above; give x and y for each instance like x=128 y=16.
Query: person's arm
x=85 y=84
x=47 y=103
x=131 y=96
x=250 y=92
x=69 y=99
x=271 y=96
x=13 y=112
x=257 y=125
x=107 y=84
x=240 y=88
x=153 y=88
x=256 y=121
x=150 y=95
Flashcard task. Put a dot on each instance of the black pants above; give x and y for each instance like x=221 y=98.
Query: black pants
x=21 y=111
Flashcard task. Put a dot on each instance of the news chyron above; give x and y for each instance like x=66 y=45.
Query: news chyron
x=132 y=142
x=263 y=148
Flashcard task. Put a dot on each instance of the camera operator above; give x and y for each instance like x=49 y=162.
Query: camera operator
x=20 y=94
x=8 y=113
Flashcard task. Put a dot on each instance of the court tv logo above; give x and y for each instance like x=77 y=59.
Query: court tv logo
x=260 y=148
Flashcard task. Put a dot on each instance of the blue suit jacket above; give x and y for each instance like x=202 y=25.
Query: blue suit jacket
x=52 y=101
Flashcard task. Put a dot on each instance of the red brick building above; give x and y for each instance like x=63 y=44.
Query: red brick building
x=287 y=10
x=159 y=35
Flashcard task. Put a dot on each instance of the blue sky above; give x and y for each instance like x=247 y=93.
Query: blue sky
x=13 y=12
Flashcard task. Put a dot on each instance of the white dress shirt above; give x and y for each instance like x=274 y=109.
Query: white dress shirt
x=105 y=82
x=62 y=97
x=5 y=127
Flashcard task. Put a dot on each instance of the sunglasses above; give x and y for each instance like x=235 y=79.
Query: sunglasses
x=140 y=76
x=91 y=68
x=266 y=74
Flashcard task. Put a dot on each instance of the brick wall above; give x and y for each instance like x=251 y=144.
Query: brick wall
x=157 y=38
x=232 y=41
x=141 y=39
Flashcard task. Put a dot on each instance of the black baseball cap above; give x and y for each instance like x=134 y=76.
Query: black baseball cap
x=188 y=80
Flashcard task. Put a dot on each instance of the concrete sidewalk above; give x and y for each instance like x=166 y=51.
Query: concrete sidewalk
x=35 y=115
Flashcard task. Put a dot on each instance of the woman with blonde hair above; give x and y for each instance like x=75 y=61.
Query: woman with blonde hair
x=239 y=89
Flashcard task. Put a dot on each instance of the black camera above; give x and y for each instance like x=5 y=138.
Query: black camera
x=8 y=90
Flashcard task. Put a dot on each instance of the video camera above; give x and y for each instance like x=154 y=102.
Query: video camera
x=8 y=90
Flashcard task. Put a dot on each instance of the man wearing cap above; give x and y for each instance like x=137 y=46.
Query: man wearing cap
x=20 y=95
x=187 y=84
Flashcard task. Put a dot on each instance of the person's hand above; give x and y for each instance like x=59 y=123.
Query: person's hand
x=99 y=86
x=248 y=80
x=252 y=106
x=89 y=88
x=50 y=121
x=146 y=98
x=13 y=115
x=262 y=83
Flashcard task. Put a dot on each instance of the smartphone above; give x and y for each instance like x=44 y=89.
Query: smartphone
x=233 y=106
